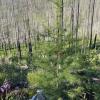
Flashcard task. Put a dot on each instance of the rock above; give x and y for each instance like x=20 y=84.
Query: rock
x=97 y=80
x=39 y=96
x=24 y=67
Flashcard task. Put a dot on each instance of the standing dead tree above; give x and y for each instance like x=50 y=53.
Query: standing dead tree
x=72 y=20
x=19 y=45
x=88 y=23
x=92 y=22
x=29 y=34
x=77 y=24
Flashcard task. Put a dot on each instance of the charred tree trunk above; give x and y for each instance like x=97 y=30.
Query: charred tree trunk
x=29 y=39
x=5 y=46
x=62 y=14
x=25 y=40
x=94 y=44
x=19 y=46
x=72 y=21
x=92 y=20
x=8 y=36
x=19 y=49
x=29 y=43
x=77 y=25
x=88 y=32
x=90 y=95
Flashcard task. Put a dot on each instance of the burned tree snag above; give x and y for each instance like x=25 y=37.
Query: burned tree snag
x=19 y=46
x=92 y=21
x=29 y=38
x=94 y=44
x=19 y=49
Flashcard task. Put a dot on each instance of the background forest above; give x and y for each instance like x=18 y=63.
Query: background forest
x=53 y=45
